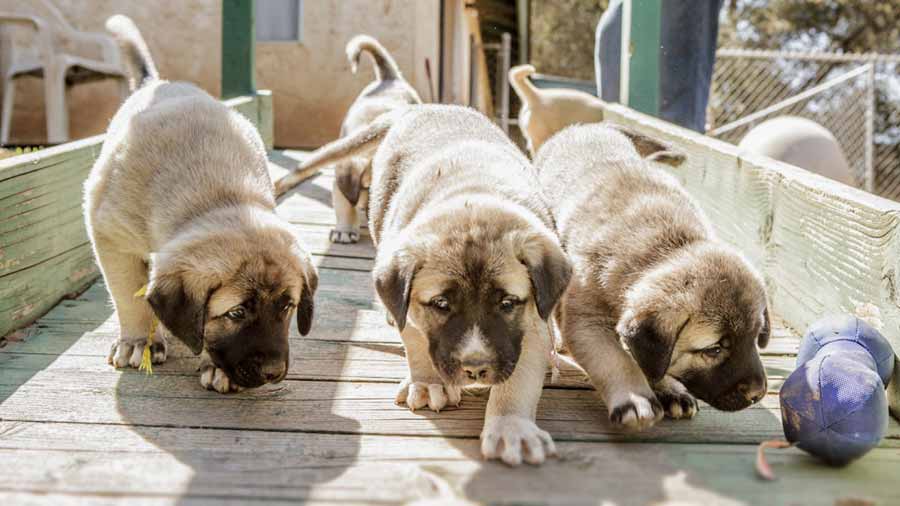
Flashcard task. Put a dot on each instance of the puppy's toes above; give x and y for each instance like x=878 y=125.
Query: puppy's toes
x=344 y=236
x=213 y=378
x=636 y=412
x=677 y=402
x=513 y=439
x=121 y=353
x=419 y=394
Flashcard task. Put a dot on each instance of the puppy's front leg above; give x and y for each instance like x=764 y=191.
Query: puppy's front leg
x=423 y=385
x=124 y=275
x=510 y=432
x=613 y=371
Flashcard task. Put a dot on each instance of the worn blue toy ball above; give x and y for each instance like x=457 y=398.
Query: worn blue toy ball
x=834 y=405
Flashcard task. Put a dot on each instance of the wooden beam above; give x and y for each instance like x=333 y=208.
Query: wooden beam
x=644 y=50
x=238 y=48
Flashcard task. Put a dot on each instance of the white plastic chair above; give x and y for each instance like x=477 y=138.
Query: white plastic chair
x=35 y=40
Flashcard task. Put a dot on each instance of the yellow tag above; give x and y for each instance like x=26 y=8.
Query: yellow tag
x=146 y=359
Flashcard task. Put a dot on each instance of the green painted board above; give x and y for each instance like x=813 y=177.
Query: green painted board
x=238 y=47
x=643 y=80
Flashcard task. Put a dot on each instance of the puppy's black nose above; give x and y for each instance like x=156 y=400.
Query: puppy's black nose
x=274 y=372
x=477 y=370
x=753 y=389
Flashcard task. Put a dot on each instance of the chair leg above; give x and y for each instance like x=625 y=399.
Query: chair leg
x=9 y=101
x=55 y=99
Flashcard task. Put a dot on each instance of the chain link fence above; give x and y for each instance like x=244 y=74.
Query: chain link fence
x=855 y=96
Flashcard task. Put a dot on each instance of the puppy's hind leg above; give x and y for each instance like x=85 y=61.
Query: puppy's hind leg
x=124 y=275
x=345 y=194
x=613 y=372
x=423 y=385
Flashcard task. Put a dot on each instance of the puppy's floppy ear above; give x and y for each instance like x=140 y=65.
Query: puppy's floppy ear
x=183 y=313
x=650 y=346
x=549 y=269
x=393 y=282
x=766 y=332
x=306 y=304
x=348 y=179
x=651 y=149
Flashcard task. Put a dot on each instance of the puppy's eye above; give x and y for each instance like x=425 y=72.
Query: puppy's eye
x=712 y=351
x=440 y=302
x=508 y=303
x=236 y=313
x=287 y=307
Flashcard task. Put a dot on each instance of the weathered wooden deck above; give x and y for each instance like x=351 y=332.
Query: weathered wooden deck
x=75 y=431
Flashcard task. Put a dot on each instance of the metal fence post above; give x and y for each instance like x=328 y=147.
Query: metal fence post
x=503 y=79
x=870 y=128
x=238 y=48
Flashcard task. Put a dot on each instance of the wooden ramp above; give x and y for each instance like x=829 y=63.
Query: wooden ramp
x=75 y=431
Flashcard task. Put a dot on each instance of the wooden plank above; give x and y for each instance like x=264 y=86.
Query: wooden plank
x=84 y=463
x=238 y=48
x=643 y=64
x=824 y=247
x=86 y=390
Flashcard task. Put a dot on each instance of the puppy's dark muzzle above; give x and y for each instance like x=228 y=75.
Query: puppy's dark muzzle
x=743 y=395
x=256 y=371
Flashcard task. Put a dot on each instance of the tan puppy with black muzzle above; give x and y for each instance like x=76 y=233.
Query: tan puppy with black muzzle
x=545 y=112
x=349 y=194
x=649 y=271
x=180 y=201
x=467 y=265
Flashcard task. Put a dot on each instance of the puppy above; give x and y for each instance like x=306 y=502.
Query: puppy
x=545 y=112
x=467 y=265
x=352 y=177
x=649 y=271
x=180 y=200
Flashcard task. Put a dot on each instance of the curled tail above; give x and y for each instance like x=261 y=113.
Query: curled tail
x=138 y=62
x=360 y=142
x=385 y=66
x=518 y=78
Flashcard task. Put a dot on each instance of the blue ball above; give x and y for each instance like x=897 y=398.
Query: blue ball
x=848 y=328
x=834 y=405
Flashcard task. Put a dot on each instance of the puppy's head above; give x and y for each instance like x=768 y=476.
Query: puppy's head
x=474 y=283
x=699 y=318
x=233 y=293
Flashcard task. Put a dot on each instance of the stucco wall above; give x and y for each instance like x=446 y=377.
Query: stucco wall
x=311 y=81
x=184 y=36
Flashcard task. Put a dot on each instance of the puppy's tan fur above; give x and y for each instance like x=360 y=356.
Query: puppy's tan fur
x=352 y=177
x=545 y=112
x=180 y=200
x=649 y=271
x=467 y=265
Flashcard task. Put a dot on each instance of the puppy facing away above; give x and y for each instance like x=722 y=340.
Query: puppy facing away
x=649 y=271
x=467 y=265
x=545 y=112
x=352 y=177
x=180 y=201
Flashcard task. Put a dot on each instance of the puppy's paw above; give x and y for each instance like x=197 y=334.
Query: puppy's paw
x=635 y=412
x=213 y=378
x=514 y=438
x=344 y=236
x=130 y=352
x=433 y=394
x=677 y=402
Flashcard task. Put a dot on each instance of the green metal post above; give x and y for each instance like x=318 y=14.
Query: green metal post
x=238 y=48
x=644 y=46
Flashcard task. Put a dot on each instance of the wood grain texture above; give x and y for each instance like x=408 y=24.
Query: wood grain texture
x=85 y=464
